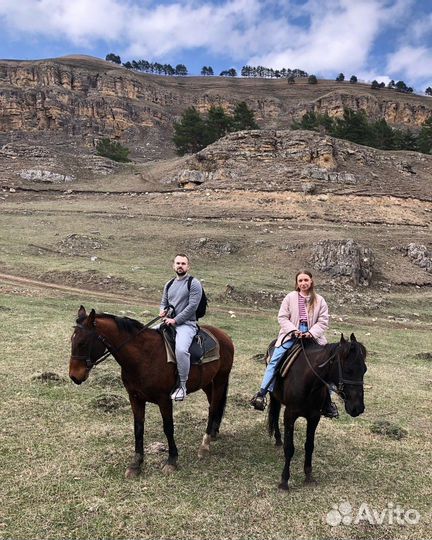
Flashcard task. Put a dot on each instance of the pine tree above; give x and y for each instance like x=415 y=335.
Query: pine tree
x=189 y=133
x=383 y=135
x=405 y=140
x=181 y=70
x=111 y=57
x=424 y=140
x=112 y=150
x=354 y=127
x=244 y=117
x=218 y=124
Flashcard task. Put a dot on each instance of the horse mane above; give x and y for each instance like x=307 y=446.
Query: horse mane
x=126 y=324
x=355 y=347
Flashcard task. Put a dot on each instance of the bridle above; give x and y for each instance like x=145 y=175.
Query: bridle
x=110 y=350
x=341 y=380
x=90 y=363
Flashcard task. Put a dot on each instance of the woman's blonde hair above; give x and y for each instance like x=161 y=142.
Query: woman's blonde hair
x=312 y=294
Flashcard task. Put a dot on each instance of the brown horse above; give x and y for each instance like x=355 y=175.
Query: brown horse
x=147 y=376
x=304 y=391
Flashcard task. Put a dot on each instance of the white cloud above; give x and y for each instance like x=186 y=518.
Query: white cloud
x=223 y=29
x=79 y=21
x=323 y=37
x=413 y=62
x=340 y=36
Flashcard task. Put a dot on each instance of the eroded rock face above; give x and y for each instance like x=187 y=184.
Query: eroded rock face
x=344 y=258
x=81 y=96
x=396 y=112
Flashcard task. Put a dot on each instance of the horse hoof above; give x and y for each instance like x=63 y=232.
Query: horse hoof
x=132 y=472
x=169 y=468
x=310 y=481
x=203 y=452
x=283 y=486
x=278 y=442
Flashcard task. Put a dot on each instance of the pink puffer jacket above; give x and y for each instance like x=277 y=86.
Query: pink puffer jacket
x=289 y=318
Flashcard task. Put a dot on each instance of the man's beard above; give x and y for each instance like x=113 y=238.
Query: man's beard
x=180 y=272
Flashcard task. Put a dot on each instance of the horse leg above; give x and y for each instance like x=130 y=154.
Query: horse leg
x=166 y=409
x=289 y=422
x=217 y=395
x=134 y=468
x=312 y=423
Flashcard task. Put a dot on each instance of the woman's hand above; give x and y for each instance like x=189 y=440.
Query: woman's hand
x=302 y=335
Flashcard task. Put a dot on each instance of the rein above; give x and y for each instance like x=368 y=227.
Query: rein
x=110 y=350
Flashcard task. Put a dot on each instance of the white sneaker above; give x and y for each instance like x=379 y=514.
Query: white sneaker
x=179 y=394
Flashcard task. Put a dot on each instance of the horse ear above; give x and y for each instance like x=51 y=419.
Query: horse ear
x=82 y=312
x=91 y=318
x=352 y=337
x=342 y=339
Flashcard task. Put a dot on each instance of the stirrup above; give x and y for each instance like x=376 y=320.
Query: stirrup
x=259 y=402
x=330 y=411
x=179 y=394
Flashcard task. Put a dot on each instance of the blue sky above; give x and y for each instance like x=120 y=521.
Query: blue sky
x=372 y=39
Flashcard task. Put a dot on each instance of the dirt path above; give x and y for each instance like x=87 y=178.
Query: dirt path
x=109 y=297
x=123 y=299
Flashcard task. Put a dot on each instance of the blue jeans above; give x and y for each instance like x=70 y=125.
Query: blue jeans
x=267 y=384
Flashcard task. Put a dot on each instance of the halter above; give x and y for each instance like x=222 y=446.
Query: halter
x=110 y=349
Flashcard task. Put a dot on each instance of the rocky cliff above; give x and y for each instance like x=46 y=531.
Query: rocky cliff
x=89 y=98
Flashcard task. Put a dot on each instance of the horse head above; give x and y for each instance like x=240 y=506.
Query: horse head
x=352 y=367
x=86 y=346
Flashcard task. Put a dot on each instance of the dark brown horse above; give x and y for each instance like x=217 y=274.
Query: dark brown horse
x=147 y=376
x=304 y=391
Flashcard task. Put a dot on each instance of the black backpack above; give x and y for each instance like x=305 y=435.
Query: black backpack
x=203 y=303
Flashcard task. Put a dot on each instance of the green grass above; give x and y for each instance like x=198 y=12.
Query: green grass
x=63 y=460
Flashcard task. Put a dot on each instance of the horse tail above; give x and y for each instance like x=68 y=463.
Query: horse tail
x=220 y=411
x=273 y=416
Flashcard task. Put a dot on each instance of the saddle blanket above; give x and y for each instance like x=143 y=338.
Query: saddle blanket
x=287 y=360
x=204 y=347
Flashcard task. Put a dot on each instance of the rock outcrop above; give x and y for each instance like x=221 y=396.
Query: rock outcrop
x=344 y=258
x=306 y=162
x=419 y=255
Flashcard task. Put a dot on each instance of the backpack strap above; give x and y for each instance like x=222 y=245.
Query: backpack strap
x=170 y=282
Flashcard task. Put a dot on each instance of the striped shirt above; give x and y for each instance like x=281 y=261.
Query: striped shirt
x=302 y=307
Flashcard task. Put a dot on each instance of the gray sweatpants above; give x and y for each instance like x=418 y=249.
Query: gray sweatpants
x=185 y=334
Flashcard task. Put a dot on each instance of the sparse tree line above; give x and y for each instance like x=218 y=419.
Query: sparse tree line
x=356 y=127
x=249 y=72
x=270 y=73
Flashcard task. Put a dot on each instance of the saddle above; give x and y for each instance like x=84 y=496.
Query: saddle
x=287 y=360
x=204 y=347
